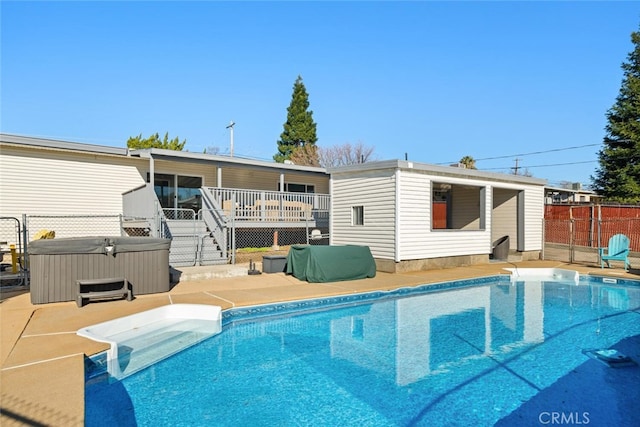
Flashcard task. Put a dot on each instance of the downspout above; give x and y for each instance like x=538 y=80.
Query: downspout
x=151 y=187
x=522 y=219
x=281 y=207
x=152 y=171
x=218 y=176
x=331 y=209
x=486 y=217
x=396 y=218
x=571 y=248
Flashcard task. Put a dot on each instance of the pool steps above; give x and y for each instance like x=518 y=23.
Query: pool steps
x=156 y=341
x=142 y=339
x=543 y=274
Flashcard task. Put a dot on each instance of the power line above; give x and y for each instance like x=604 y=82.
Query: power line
x=529 y=154
x=540 y=152
x=543 y=166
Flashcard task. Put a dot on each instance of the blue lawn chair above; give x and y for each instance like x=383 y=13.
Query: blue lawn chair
x=618 y=250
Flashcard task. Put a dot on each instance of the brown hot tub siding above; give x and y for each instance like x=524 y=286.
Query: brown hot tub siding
x=56 y=265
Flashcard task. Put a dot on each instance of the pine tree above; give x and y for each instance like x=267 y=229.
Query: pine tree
x=154 y=141
x=618 y=177
x=299 y=129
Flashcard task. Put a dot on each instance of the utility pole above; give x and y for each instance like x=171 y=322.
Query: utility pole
x=516 y=168
x=231 y=124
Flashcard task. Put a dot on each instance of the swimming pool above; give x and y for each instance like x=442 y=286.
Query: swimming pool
x=487 y=351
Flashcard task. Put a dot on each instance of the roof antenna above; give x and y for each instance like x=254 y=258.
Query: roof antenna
x=231 y=124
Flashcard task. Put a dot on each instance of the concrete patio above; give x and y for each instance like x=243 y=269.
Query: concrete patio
x=42 y=358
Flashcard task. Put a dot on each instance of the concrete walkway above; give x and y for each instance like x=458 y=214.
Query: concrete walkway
x=42 y=359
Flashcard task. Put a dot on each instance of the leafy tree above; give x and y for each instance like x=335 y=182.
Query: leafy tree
x=299 y=129
x=154 y=141
x=618 y=177
x=468 y=162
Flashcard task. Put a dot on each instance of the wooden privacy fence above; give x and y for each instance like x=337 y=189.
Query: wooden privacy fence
x=592 y=225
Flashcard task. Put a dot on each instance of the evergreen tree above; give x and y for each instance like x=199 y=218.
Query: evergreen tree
x=618 y=177
x=154 y=141
x=299 y=129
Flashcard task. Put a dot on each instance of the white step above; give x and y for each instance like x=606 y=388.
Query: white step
x=154 y=342
x=144 y=338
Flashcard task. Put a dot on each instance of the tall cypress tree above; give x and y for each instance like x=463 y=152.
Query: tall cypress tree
x=618 y=177
x=299 y=129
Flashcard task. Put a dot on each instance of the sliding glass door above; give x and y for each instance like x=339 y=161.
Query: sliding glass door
x=188 y=191
x=178 y=191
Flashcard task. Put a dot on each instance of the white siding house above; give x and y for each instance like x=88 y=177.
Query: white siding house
x=416 y=216
x=574 y=195
x=39 y=180
x=51 y=178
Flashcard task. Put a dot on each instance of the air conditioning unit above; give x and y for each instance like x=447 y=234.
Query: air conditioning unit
x=576 y=186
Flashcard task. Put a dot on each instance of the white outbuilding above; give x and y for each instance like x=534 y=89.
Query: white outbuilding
x=416 y=216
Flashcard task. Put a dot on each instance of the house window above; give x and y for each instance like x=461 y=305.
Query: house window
x=298 y=188
x=357 y=215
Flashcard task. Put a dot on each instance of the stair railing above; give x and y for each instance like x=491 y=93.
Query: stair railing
x=215 y=220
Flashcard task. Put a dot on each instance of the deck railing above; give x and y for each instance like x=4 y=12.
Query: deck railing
x=255 y=205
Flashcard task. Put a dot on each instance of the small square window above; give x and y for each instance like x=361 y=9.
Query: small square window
x=357 y=215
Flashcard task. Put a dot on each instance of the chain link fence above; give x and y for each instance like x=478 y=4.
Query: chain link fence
x=577 y=240
x=251 y=243
x=238 y=240
x=241 y=241
x=68 y=226
x=64 y=226
x=12 y=265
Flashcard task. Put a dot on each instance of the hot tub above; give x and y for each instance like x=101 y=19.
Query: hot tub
x=55 y=265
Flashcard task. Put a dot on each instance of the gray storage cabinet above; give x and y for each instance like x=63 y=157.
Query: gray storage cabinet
x=274 y=263
x=55 y=265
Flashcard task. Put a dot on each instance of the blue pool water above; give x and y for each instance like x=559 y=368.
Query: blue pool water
x=482 y=352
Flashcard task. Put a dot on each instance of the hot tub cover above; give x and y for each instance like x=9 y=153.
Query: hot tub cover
x=97 y=245
x=319 y=264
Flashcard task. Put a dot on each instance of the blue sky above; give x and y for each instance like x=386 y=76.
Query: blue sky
x=435 y=80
